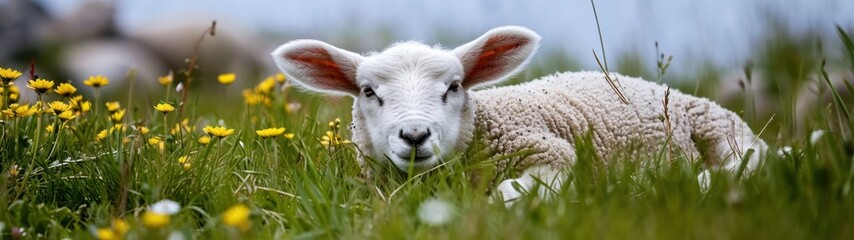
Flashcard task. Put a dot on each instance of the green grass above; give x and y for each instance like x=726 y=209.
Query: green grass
x=299 y=188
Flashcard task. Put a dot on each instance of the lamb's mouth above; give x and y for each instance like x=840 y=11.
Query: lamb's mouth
x=416 y=158
x=418 y=163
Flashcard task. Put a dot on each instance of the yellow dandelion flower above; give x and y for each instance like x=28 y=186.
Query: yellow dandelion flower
x=143 y=130
x=107 y=234
x=59 y=107
x=8 y=74
x=226 y=78
x=165 y=80
x=289 y=135
x=280 y=77
x=270 y=132
x=252 y=98
x=266 y=86
x=154 y=140
x=204 y=140
x=119 y=126
x=66 y=115
x=40 y=85
x=85 y=106
x=120 y=226
x=65 y=89
x=154 y=220
x=237 y=216
x=14 y=89
x=164 y=108
x=113 y=106
x=331 y=138
x=103 y=134
x=49 y=128
x=187 y=166
x=183 y=159
x=118 y=116
x=96 y=81
x=219 y=132
x=17 y=110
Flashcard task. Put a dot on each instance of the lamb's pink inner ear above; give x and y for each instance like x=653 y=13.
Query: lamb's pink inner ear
x=495 y=59
x=325 y=72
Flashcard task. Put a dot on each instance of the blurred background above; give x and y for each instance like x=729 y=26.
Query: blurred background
x=757 y=56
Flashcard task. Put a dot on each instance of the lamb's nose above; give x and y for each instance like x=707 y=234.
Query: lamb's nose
x=414 y=136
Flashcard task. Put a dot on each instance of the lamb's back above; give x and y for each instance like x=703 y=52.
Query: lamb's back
x=573 y=104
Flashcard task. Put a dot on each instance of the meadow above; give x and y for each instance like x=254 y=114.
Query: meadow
x=275 y=162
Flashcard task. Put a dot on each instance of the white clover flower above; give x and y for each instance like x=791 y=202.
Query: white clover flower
x=165 y=207
x=815 y=136
x=435 y=212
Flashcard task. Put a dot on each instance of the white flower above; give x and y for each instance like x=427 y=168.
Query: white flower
x=785 y=150
x=435 y=212
x=165 y=206
x=815 y=136
x=179 y=87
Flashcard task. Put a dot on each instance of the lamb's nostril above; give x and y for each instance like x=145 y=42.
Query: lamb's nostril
x=414 y=136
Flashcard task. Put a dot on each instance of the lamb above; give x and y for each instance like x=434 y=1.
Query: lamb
x=414 y=106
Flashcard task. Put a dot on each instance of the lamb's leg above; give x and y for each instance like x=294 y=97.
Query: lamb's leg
x=725 y=138
x=547 y=165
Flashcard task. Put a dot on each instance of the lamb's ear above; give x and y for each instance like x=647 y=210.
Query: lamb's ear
x=319 y=66
x=496 y=55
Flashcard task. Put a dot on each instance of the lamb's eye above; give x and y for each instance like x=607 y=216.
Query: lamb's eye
x=369 y=92
x=454 y=87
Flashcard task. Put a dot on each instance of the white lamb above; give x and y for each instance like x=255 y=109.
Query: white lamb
x=414 y=106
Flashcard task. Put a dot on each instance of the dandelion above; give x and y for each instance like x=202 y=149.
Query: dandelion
x=14 y=170
x=59 y=107
x=103 y=134
x=165 y=80
x=219 y=132
x=154 y=140
x=270 y=132
x=204 y=140
x=96 y=81
x=164 y=108
x=121 y=227
x=113 y=106
x=106 y=234
x=49 y=128
x=183 y=159
x=331 y=138
x=185 y=162
x=289 y=135
x=143 y=130
x=252 y=98
x=17 y=110
x=155 y=220
x=118 y=116
x=85 y=106
x=226 y=78
x=65 y=89
x=266 y=86
x=66 y=115
x=185 y=124
x=280 y=77
x=40 y=85
x=237 y=216
x=8 y=74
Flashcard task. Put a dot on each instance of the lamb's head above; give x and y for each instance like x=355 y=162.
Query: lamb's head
x=412 y=100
